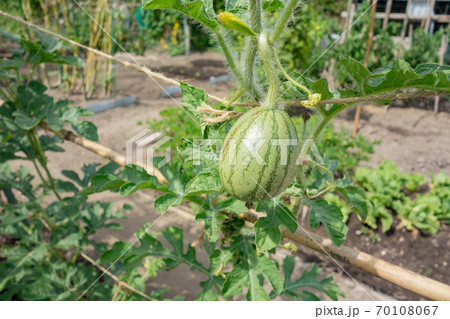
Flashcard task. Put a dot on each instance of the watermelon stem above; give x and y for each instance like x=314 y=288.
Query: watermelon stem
x=281 y=23
x=228 y=56
x=251 y=51
x=272 y=76
x=248 y=66
x=329 y=184
x=297 y=207
x=313 y=98
x=286 y=75
x=254 y=7
x=310 y=141
x=227 y=102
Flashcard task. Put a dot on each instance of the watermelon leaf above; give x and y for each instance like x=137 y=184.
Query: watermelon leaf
x=355 y=196
x=194 y=9
x=249 y=272
x=267 y=229
x=330 y=216
x=295 y=289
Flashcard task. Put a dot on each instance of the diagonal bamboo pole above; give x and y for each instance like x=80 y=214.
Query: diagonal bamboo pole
x=399 y=276
x=101 y=150
x=366 y=61
x=159 y=76
x=127 y=64
x=121 y=284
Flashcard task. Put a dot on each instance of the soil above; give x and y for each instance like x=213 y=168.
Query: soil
x=416 y=139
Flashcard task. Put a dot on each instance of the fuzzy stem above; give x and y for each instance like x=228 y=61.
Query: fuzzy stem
x=43 y=161
x=299 y=177
x=39 y=173
x=52 y=182
x=254 y=7
x=252 y=50
x=327 y=118
x=249 y=68
x=310 y=141
x=274 y=83
x=305 y=127
x=330 y=185
x=297 y=207
x=281 y=23
x=227 y=102
x=321 y=126
x=321 y=109
x=286 y=75
x=228 y=55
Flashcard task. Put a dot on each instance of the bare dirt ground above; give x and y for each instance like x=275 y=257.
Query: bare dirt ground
x=415 y=139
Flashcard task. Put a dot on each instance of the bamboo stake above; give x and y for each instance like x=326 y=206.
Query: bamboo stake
x=387 y=13
x=71 y=31
x=45 y=13
x=122 y=284
x=349 y=20
x=107 y=47
x=65 y=67
x=26 y=10
x=102 y=151
x=366 y=61
x=90 y=69
x=399 y=276
x=104 y=270
x=430 y=14
x=444 y=43
x=42 y=66
x=405 y=21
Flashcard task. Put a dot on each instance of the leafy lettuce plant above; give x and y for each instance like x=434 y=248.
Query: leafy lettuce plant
x=392 y=190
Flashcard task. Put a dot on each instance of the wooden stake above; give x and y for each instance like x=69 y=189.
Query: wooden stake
x=444 y=44
x=366 y=62
x=350 y=8
x=101 y=150
x=430 y=13
x=399 y=276
x=386 y=14
x=405 y=21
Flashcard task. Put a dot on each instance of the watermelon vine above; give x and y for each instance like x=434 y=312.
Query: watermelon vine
x=278 y=190
x=264 y=165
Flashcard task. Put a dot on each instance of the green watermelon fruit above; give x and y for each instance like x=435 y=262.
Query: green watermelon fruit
x=259 y=154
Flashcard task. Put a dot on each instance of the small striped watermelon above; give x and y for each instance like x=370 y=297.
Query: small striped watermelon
x=257 y=161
